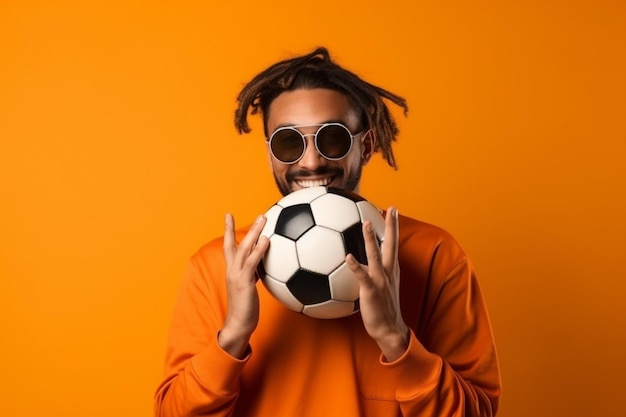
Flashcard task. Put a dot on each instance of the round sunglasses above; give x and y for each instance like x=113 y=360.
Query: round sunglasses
x=332 y=140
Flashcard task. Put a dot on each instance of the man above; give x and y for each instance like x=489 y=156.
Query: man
x=421 y=344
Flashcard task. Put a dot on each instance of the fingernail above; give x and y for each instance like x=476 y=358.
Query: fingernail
x=258 y=219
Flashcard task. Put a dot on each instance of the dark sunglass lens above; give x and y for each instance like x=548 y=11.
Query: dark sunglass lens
x=334 y=141
x=287 y=145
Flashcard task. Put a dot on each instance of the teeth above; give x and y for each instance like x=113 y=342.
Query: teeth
x=314 y=183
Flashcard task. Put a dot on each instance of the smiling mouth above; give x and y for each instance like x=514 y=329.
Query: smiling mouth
x=307 y=182
x=320 y=177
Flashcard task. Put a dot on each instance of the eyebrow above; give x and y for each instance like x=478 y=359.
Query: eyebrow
x=343 y=122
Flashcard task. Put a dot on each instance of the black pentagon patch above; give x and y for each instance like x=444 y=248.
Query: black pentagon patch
x=309 y=287
x=345 y=193
x=294 y=221
x=355 y=243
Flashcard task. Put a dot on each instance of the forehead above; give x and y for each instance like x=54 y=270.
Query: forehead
x=311 y=106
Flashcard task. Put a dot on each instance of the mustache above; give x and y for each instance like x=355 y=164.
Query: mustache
x=303 y=173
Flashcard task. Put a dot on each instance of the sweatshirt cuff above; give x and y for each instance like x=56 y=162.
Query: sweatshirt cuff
x=217 y=370
x=415 y=371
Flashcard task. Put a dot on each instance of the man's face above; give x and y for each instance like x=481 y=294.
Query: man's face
x=310 y=107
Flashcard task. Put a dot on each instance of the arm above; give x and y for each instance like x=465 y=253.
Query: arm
x=208 y=342
x=200 y=378
x=451 y=368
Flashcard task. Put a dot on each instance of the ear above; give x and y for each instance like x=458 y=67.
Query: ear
x=368 y=144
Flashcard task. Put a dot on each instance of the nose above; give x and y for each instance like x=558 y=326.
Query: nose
x=311 y=160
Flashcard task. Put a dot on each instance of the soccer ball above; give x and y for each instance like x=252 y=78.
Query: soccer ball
x=311 y=231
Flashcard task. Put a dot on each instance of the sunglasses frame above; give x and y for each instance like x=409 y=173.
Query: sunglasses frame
x=320 y=126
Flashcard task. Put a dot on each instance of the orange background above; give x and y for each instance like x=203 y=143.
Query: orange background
x=118 y=158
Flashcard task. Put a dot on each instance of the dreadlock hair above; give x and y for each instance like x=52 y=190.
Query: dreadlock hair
x=317 y=70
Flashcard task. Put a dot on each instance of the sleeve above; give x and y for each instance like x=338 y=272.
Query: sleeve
x=200 y=379
x=452 y=370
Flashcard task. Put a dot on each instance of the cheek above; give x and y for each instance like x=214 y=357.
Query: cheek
x=277 y=168
x=355 y=159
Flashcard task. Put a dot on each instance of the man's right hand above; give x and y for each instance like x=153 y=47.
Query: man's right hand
x=242 y=260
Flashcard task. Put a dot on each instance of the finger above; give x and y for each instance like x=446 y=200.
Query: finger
x=359 y=271
x=251 y=238
x=229 y=239
x=257 y=253
x=372 y=250
x=241 y=255
x=390 y=244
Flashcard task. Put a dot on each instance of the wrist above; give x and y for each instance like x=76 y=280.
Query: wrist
x=235 y=344
x=394 y=344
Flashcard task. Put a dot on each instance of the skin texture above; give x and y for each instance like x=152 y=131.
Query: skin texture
x=379 y=297
x=308 y=107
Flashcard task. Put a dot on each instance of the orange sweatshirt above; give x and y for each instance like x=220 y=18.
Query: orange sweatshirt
x=300 y=366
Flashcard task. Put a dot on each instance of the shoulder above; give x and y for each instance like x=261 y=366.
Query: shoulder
x=428 y=242
x=425 y=233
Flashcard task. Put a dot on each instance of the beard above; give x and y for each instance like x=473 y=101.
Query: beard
x=349 y=183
